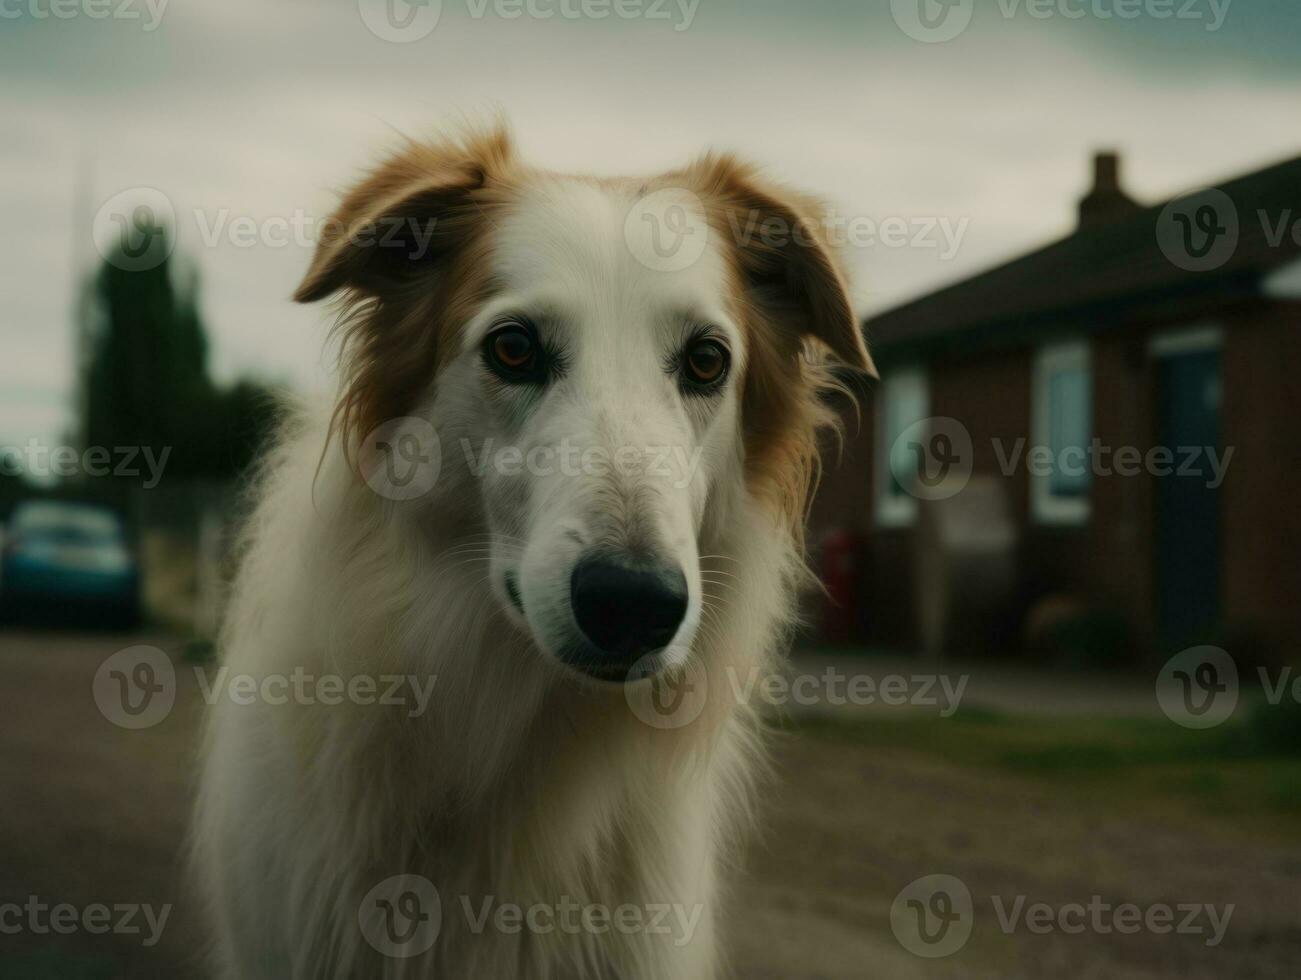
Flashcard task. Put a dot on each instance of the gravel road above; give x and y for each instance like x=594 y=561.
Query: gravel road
x=95 y=814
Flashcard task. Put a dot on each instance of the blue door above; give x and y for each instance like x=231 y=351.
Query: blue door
x=1187 y=528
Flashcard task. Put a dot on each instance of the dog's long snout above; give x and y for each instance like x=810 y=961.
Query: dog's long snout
x=626 y=609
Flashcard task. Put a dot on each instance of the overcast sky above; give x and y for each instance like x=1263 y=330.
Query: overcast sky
x=261 y=110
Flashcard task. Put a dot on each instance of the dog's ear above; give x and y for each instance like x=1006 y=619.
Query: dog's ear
x=403 y=216
x=789 y=266
x=405 y=253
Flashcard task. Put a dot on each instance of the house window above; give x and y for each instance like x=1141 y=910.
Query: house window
x=902 y=400
x=1062 y=477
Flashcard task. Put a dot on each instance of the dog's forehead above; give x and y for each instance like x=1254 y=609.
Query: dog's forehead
x=612 y=242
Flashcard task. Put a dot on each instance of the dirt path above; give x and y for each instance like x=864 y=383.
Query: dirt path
x=93 y=813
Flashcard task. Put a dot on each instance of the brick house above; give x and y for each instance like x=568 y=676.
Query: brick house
x=1167 y=327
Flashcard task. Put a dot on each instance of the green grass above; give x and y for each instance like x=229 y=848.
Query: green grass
x=1222 y=771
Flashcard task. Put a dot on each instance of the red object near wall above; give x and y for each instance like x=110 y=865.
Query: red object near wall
x=841 y=569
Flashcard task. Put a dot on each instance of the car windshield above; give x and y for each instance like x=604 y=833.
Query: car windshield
x=70 y=523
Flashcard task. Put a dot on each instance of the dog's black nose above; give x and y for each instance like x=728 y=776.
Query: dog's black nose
x=627 y=610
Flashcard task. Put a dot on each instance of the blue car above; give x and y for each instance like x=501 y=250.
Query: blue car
x=68 y=562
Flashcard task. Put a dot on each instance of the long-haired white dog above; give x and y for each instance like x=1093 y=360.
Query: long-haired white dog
x=564 y=483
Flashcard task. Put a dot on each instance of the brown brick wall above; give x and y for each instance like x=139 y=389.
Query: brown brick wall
x=1111 y=559
x=1118 y=560
x=1261 y=496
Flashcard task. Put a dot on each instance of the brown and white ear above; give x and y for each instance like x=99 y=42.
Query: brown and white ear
x=403 y=217
x=787 y=261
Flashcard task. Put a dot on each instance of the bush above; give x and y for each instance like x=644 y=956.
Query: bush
x=1071 y=633
x=1277 y=727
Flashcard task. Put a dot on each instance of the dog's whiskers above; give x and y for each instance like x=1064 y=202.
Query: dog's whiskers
x=726 y=585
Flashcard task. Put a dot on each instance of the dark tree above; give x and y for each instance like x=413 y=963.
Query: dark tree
x=145 y=380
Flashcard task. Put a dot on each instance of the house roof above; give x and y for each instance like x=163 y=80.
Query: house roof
x=1115 y=267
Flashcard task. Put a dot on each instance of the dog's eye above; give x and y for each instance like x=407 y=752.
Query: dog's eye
x=705 y=363
x=513 y=352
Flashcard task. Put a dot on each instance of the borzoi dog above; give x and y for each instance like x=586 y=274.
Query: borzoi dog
x=564 y=484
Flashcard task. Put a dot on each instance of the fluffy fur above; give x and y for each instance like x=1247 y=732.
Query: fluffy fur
x=523 y=781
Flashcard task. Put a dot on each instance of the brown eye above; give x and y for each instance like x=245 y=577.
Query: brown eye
x=512 y=351
x=705 y=364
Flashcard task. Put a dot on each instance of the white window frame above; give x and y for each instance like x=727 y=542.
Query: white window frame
x=1069 y=355
x=1284 y=282
x=1188 y=340
x=892 y=509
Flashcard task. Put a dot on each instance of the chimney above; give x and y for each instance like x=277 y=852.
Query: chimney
x=1106 y=201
